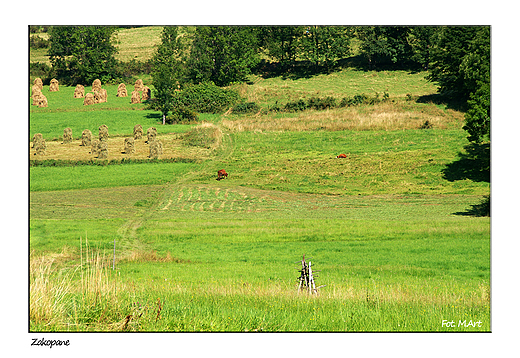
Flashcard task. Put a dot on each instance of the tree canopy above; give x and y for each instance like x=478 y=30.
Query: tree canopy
x=80 y=54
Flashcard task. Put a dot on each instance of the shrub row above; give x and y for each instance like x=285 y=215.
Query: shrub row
x=328 y=102
x=95 y=162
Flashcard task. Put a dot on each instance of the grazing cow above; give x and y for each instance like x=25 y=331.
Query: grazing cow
x=222 y=174
x=342 y=156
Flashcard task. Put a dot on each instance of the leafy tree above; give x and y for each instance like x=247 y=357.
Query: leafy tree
x=80 y=54
x=223 y=54
x=384 y=44
x=281 y=43
x=475 y=67
x=451 y=46
x=323 y=45
x=168 y=69
x=421 y=40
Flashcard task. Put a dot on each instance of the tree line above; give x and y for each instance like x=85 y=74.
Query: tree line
x=457 y=58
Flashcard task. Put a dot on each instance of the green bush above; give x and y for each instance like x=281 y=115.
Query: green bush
x=182 y=115
x=247 y=107
x=321 y=103
x=295 y=106
x=206 y=98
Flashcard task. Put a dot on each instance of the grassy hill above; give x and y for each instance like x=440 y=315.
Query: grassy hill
x=392 y=226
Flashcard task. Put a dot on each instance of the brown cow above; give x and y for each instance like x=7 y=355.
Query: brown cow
x=222 y=174
x=342 y=156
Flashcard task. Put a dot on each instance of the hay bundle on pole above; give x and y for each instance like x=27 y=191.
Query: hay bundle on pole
x=103 y=150
x=103 y=132
x=96 y=85
x=79 y=91
x=155 y=149
x=138 y=131
x=121 y=90
x=35 y=94
x=86 y=138
x=42 y=101
x=147 y=93
x=151 y=133
x=136 y=97
x=101 y=95
x=38 y=82
x=138 y=86
x=129 y=145
x=67 y=135
x=89 y=99
x=54 y=87
x=95 y=147
x=39 y=144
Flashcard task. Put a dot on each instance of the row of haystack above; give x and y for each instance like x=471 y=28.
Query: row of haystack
x=99 y=95
x=99 y=147
x=38 y=98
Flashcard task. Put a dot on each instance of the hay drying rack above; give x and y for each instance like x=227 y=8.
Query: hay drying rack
x=306 y=279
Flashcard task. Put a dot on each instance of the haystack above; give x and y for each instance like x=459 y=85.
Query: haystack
x=89 y=99
x=79 y=91
x=42 y=101
x=129 y=145
x=95 y=147
x=54 y=87
x=38 y=82
x=86 y=138
x=151 y=134
x=138 y=131
x=147 y=93
x=103 y=132
x=138 y=86
x=121 y=90
x=39 y=144
x=155 y=149
x=103 y=150
x=35 y=94
x=100 y=96
x=67 y=135
x=96 y=85
x=136 y=97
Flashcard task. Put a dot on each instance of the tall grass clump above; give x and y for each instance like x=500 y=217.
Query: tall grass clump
x=206 y=135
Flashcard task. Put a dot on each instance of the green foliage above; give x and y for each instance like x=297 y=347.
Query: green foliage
x=38 y=42
x=478 y=115
x=223 y=54
x=323 y=45
x=81 y=54
x=246 y=107
x=282 y=43
x=206 y=98
x=182 y=115
x=296 y=106
x=452 y=46
x=321 y=103
x=383 y=45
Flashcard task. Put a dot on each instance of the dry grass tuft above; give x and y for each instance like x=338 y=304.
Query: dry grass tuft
x=383 y=116
x=151 y=256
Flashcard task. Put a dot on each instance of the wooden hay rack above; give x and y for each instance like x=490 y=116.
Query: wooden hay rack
x=306 y=280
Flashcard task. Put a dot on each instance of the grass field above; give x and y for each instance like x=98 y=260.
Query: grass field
x=391 y=227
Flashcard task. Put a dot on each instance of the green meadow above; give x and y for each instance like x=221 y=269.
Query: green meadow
x=393 y=228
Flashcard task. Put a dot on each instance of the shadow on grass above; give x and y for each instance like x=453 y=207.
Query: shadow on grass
x=473 y=164
x=478 y=210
